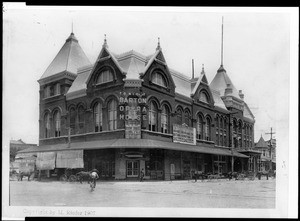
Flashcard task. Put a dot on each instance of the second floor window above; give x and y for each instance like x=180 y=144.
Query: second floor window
x=179 y=116
x=112 y=115
x=199 y=128
x=165 y=120
x=187 y=118
x=47 y=125
x=98 y=117
x=81 y=118
x=153 y=117
x=207 y=129
x=57 y=123
x=72 y=120
x=105 y=76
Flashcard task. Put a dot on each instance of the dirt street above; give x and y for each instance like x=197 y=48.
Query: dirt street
x=206 y=194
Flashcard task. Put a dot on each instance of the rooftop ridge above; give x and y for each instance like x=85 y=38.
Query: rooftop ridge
x=179 y=74
x=131 y=53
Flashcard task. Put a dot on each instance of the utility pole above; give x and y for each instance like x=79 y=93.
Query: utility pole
x=271 y=133
x=231 y=138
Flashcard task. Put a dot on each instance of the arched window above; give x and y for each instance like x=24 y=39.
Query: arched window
x=98 y=117
x=187 y=118
x=47 y=125
x=72 y=120
x=225 y=132
x=208 y=129
x=57 y=123
x=203 y=97
x=80 y=118
x=179 y=116
x=221 y=132
x=153 y=117
x=158 y=78
x=105 y=76
x=235 y=126
x=165 y=115
x=217 y=130
x=200 y=127
x=112 y=115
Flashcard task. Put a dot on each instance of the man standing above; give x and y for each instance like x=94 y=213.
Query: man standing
x=142 y=175
x=94 y=176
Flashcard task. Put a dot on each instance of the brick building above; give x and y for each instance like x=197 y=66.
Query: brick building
x=127 y=112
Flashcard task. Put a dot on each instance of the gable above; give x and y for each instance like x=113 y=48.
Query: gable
x=161 y=57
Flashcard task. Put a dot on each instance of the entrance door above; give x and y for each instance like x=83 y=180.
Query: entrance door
x=132 y=168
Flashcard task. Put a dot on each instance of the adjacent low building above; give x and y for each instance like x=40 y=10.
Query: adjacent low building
x=127 y=112
x=267 y=151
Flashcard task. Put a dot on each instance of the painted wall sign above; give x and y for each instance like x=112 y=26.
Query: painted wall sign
x=133 y=110
x=184 y=134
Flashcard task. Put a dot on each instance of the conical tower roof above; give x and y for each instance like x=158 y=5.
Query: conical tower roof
x=220 y=82
x=69 y=58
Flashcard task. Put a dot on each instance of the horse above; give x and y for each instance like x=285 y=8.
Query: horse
x=83 y=175
x=28 y=174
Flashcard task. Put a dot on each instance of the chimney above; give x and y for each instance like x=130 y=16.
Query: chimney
x=228 y=90
x=193 y=76
x=241 y=94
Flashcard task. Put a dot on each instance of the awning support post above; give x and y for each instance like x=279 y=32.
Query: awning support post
x=232 y=163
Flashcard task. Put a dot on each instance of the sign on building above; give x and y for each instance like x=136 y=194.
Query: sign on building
x=184 y=134
x=133 y=111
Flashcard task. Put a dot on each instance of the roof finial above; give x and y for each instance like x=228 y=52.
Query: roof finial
x=158 y=45
x=193 y=69
x=222 y=43
x=72 y=28
x=105 y=42
x=202 y=72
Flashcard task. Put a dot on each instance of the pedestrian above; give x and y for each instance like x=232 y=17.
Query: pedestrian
x=142 y=175
x=196 y=174
x=94 y=176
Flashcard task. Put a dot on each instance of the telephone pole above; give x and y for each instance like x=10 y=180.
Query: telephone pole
x=271 y=133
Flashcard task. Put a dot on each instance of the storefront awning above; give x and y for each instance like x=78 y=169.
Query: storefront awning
x=137 y=143
x=69 y=159
x=45 y=160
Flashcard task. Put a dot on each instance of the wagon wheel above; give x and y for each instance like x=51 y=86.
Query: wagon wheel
x=72 y=178
x=63 y=178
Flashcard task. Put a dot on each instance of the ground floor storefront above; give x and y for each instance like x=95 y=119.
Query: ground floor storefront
x=127 y=159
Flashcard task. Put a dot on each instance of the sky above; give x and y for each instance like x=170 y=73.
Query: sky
x=256 y=53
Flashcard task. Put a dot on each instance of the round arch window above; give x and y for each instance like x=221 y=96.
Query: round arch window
x=159 y=79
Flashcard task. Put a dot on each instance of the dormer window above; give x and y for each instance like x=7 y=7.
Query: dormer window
x=203 y=97
x=158 y=78
x=104 y=77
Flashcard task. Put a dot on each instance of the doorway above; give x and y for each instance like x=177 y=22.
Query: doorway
x=132 y=168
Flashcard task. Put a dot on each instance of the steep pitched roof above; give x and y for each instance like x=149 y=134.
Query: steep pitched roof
x=69 y=58
x=247 y=112
x=217 y=99
x=133 y=63
x=202 y=79
x=261 y=143
x=220 y=81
